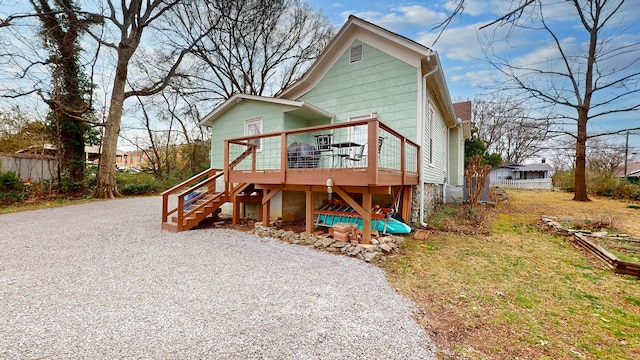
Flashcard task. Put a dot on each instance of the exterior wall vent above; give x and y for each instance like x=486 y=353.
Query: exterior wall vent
x=355 y=54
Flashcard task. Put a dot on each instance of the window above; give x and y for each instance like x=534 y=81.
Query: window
x=358 y=134
x=254 y=127
x=355 y=54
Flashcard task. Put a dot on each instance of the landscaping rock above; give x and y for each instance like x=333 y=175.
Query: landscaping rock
x=385 y=248
x=322 y=241
x=326 y=242
x=339 y=244
x=370 y=256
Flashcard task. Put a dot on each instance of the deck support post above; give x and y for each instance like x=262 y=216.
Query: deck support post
x=309 y=210
x=235 y=217
x=407 y=199
x=366 y=216
x=265 y=207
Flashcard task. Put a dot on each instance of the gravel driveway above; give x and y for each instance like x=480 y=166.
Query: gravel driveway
x=102 y=280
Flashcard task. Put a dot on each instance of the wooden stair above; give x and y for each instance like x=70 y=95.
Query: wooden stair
x=197 y=199
x=197 y=211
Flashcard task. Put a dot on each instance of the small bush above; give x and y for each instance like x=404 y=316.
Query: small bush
x=11 y=188
x=137 y=189
x=10 y=181
x=564 y=180
x=615 y=188
x=175 y=177
x=137 y=184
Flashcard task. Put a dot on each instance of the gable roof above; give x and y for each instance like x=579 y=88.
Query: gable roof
x=633 y=170
x=402 y=48
x=528 y=167
x=463 y=110
x=302 y=106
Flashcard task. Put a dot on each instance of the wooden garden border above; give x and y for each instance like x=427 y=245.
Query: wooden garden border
x=619 y=266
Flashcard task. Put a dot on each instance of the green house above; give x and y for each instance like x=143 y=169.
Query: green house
x=366 y=72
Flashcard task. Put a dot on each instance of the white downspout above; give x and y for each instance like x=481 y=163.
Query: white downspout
x=421 y=177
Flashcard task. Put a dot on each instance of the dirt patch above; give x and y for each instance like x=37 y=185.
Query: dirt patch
x=246 y=224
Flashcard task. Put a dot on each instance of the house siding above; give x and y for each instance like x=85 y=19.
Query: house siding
x=231 y=124
x=379 y=83
x=434 y=172
x=456 y=158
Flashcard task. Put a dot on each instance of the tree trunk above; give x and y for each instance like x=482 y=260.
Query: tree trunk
x=580 y=192
x=106 y=180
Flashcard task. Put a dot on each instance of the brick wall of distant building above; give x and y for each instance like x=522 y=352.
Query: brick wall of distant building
x=136 y=159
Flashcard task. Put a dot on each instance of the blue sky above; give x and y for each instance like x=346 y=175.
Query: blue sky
x=416 y=20
x=460 y=45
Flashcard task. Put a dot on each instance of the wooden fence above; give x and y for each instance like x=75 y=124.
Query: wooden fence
x=529 y=184
x=29 y=166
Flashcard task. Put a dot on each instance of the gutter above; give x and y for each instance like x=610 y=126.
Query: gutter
x=421 y=177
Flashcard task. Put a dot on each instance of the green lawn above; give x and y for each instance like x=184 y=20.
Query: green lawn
x=519 y=291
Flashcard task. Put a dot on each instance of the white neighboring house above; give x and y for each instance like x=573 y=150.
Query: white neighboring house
x=523 y=176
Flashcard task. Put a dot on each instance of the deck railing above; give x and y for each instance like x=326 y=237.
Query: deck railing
x=379 y=155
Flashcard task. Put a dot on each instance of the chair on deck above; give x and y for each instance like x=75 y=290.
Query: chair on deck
x=354 y=157
x=380 y=141
x=323 y=144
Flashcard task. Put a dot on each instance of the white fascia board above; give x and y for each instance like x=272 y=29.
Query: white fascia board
x=442 y=91
x=237 y=98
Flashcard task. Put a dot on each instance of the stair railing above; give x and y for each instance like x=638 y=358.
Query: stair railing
x=206 y=178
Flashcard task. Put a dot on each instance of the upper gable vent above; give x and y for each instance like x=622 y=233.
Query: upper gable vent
x=355 y=53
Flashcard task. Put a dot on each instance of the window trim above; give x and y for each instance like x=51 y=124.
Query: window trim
x=259 y=123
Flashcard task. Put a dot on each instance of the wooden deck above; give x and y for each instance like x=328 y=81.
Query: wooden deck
x=394 y=162
x=292 y=160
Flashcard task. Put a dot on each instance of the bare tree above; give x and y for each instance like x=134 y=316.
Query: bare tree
x=507 y=127
x=563 y=153
x=261 y=46
x=128 y=21
x=194 y=150
x=582 y=82
x=476 y=174
x=603 y=157
x=169 y=134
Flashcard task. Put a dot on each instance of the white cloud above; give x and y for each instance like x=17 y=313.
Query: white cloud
x=471 y=7
x=459 y=43
x=402 y=18
x=474 y=78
